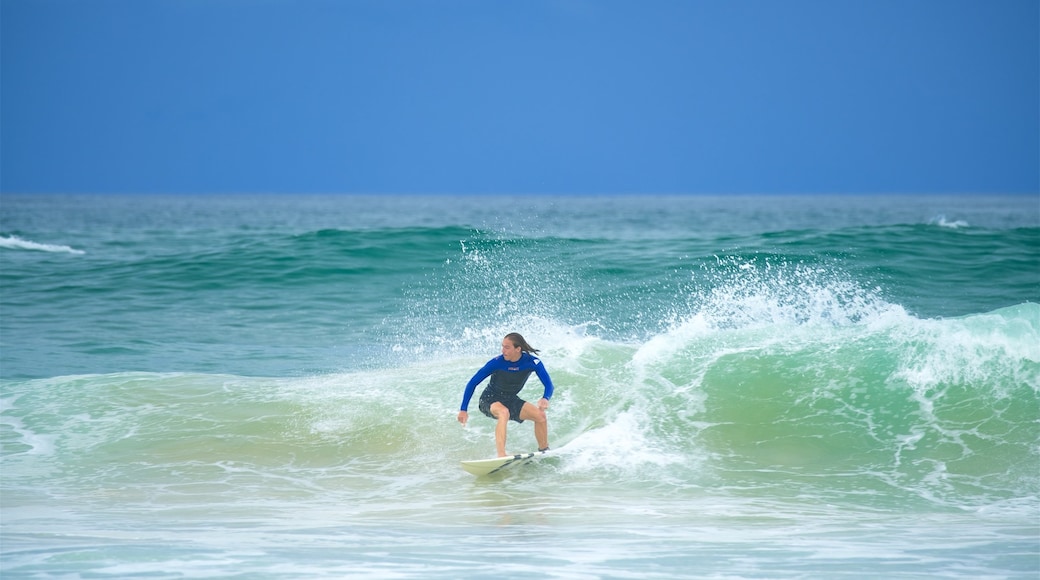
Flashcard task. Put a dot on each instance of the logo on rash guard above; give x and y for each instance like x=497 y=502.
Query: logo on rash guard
x=513 y=369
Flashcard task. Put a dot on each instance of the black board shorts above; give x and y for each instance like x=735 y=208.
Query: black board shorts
x=512 y=402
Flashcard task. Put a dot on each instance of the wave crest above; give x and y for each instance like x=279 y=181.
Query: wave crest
x=16 y=243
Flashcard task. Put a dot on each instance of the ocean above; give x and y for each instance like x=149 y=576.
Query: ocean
x=266 y=386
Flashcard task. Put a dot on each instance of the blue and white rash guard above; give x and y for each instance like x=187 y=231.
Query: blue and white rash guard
x=508 y=378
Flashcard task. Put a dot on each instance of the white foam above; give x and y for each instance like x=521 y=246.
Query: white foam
x=38 y=444
x=16 y=243
x=620 y=444
x=942 y=222
x=764 y=293
x=969 y=350
x=664 y=346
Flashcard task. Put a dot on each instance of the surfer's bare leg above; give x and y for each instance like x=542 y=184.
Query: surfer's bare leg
x=501 y=414
x=530 y=412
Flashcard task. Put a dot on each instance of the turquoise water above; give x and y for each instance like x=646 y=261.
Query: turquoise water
x=747 y=387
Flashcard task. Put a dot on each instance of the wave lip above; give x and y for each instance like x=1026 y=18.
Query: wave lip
x=16 y=243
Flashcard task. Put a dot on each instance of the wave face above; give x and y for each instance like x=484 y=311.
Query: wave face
x=742 y=389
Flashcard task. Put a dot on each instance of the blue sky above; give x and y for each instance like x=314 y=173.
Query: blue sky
x=535 y=96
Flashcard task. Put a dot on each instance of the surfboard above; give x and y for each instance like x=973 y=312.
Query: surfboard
x=481 y=467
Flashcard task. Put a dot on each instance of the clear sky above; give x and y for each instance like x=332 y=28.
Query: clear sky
x=532 y=96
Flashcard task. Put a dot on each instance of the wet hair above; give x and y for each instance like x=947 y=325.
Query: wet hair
x=518 y=340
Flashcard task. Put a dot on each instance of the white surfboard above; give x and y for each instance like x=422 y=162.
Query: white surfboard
x=481 y=467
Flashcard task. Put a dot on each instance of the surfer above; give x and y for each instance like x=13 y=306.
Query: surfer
x=500 y=400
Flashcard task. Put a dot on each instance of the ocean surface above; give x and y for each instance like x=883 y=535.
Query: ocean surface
x=746 y=387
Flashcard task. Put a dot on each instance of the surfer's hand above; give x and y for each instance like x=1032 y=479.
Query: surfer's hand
x=543 y=403
x=463 y=417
